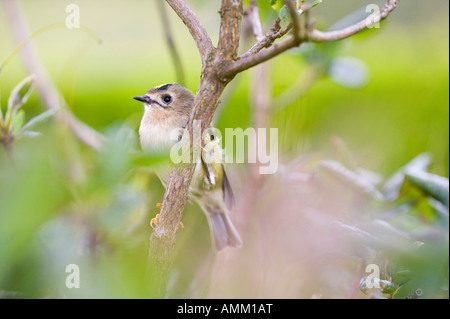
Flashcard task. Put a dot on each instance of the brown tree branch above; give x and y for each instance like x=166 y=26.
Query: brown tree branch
x=198 y=32
x=275 y=33
x=52 y=98
x=296 y=26
x=168 y=34
x=319 y=36
x=230 y=29
x=247 y=61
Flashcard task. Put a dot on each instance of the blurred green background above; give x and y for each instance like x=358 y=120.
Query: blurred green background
x=401 y=112
x=94 y=206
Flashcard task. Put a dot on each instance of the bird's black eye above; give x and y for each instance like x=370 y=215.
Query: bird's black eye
x=167 y=99
x=212 y=137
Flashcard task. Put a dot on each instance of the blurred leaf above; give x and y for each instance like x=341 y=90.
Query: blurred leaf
x=31 y=134
x=388 y=287
x=19 y=119
x=416 y=245
x=20 y=94
x=363 y=285
x=284 y=13
x=277 y=4
x=36 y=120
x=315 y=3
x=349 y=72
x=372 y=177
x=114 y=160
x=391 y=189
x=351 y=178
x=355 y=241
x=352 y=18
x=402 y=277
x=31 y=192
x=441 y=210
x=433 y=185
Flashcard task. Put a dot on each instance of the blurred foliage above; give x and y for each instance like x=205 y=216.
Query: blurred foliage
x=385 y=93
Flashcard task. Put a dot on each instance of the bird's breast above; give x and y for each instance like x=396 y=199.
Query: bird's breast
x=155 y=138
x=159 y=129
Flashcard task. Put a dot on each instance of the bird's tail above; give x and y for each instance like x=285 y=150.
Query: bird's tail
x=223 y=231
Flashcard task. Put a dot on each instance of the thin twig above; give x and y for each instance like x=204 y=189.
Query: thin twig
x=247 y=61
x=274 y=34
x=319 y=36
x=296 y=26
x=198 y=32
x=168 y=35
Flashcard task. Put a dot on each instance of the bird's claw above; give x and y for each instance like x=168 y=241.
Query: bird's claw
x=154 y=221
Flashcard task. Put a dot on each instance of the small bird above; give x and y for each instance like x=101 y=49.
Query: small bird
x=167 y=108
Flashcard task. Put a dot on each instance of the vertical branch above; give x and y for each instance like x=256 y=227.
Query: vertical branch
x=168 y=35
x=296 y=26
x=230 y=29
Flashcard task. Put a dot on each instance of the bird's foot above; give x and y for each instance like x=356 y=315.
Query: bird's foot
x=154 y=221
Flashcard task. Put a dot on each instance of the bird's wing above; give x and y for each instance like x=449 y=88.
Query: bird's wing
x=209 y=171
x=228 y=195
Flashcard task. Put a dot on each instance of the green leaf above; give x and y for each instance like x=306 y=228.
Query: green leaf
x=442 y=212
x=20 y=94
x=277 y=4
x=19 y=119
x=388 y=287
x=351 y=179
x=391 y=189
x=402 y=277
x=434 y=185
x=31 y=134
x=315 y=3
x=284 y=13
x=36 y=120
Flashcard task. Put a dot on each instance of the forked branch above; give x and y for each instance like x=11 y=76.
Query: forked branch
x=249 y=60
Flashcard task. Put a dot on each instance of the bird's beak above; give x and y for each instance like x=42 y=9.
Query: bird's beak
x=144 y=98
